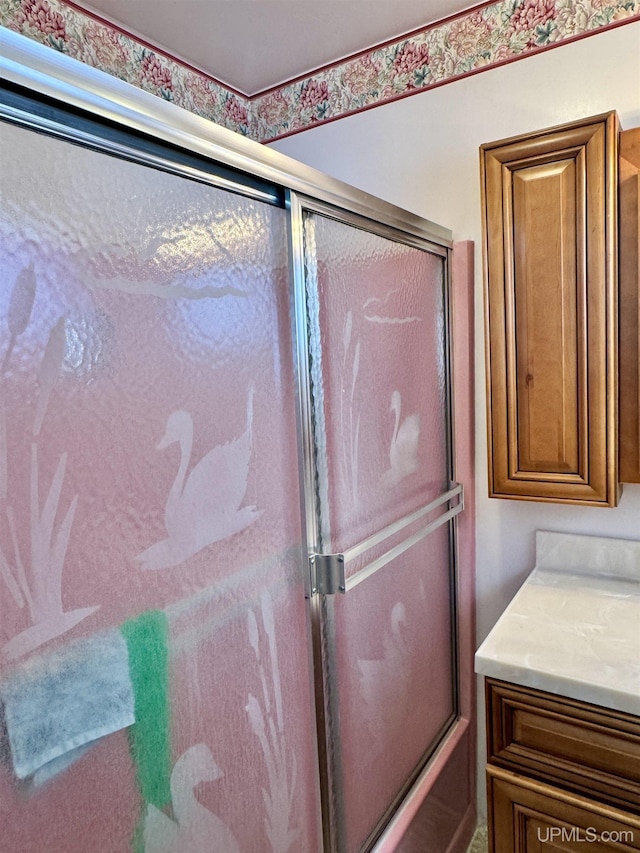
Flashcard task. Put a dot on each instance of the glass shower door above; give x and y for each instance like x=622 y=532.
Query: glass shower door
x=174 y=674
x=377 y=321
x=154 y=638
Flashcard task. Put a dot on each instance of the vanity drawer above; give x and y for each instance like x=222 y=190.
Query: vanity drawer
x=526 y=816
x=581 y=747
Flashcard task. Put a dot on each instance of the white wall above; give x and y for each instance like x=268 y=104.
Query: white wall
x=422 y=153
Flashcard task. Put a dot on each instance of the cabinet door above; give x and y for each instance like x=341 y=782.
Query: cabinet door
x=629 y=204
x=531 y=817
x=550 y=249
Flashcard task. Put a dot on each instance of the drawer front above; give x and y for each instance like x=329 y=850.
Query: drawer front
x=531 y=817
x=581 y=747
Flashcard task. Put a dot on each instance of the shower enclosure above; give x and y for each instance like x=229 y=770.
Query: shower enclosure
x=229 y=580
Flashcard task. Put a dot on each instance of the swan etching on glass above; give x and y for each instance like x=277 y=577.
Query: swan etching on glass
x=385 y=684
x=195 y=829
x=203 y=506
x=403 y=451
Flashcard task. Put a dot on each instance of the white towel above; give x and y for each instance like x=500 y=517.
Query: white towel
x=58 y=701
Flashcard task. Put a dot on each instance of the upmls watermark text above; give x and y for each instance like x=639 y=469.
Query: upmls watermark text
x=586 y=835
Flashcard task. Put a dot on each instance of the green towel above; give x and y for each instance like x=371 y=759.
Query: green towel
x=149 y=737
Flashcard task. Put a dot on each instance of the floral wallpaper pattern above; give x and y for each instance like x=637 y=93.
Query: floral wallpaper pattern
x=485 y=36
x=97 y=43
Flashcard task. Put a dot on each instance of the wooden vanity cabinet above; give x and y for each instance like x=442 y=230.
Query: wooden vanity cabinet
x=562 y=775
x=550 y=262
x=629 y=277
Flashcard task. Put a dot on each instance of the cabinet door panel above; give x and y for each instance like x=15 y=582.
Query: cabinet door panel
x=550 y=270
x=547 y=316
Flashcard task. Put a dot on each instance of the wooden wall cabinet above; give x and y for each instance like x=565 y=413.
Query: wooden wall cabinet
x=550 y=255
x=562 y=775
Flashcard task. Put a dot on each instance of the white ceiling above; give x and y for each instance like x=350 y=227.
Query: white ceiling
x=251 y=45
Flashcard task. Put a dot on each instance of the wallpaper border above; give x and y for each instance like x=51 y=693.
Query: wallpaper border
x=483 y=37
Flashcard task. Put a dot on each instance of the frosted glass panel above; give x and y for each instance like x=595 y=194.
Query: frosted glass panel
x=378 y=315
x=151 y=595
x=379 y=379
x=394 y=678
